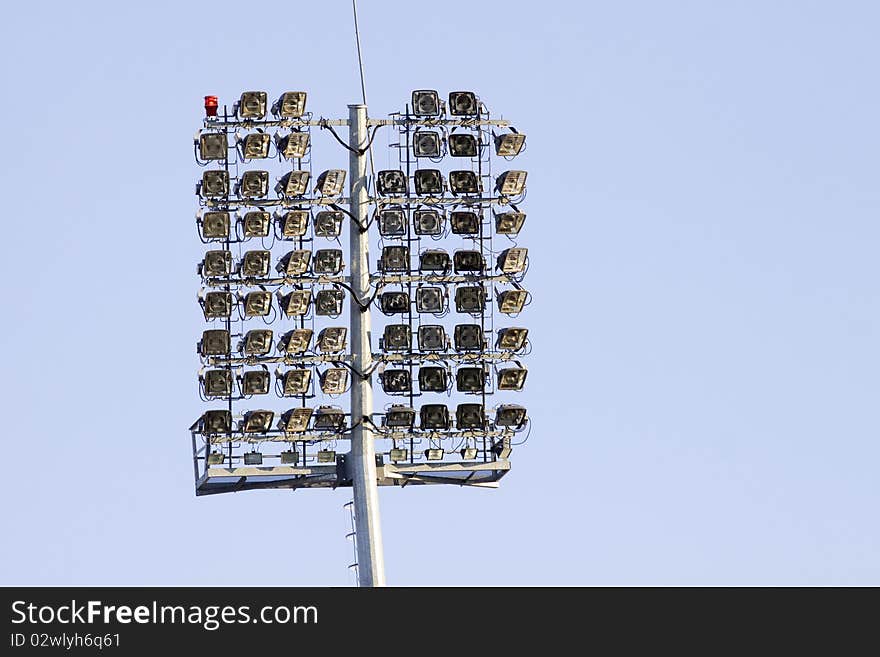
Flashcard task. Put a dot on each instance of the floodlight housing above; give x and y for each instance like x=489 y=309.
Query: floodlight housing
x=432 y=337
x=463 y=103
x=428 y=222
x=434 y=260
x=215 y=342
x=257 y=342
x=327 y=456
x=470 y=379
x=426 y=143
x=329 y=418
x=512 y=338
x=252 y=105
x=510 y=415
x=509 y=223
x=296 y=382
x=327 y=261
x=394 y=258
x=397 y=337
x=392 y=303
x=468 y=261
x=295 y=303
x=215 y=225
x=255 y=264
x=328 y=223
x=511 y=302
x=216 y=458
x=292 y=146
x=334 y=381
x=433 y=379
x=328 y=303
x=391 y=182
x=218 y=383
x=214 y=422
x=512 y=378
x=464 y=182
x=469 y=453
x=256 y=224
x=428 y=181
x=434 y=454
x=215 y=183
x=400 y=417
x=464 y=223
x=513 y=261
x=331 y=340
x=392 y=222
x=255 y=146
x=430 y=299
x=295 y=420
x=253 y=184
x=330 y=182
x=217 y=304
x=470 y=299
x=216 y=263
x=434 y=416
x=470 y=416
x=396 y=381
x=290 y=105
x=257 y=303
x=294 y=223
x=289 y=457
x=511 y=183
x=253 y=458
x=462 y=144
x=509 y=144
x=398 y=454
x=255 y=382
x=468 y=337
x=213 y=146
x=295 y=263
x=293 y=183
x=296 y=341
x=425 y=102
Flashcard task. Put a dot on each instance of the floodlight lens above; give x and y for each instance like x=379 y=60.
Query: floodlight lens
x=257 y=304
x=258 y=421
x=434 y=416
x=513 y=261
x=295 y=263
x=510 y=415
x=512 y=339
x=294 y=223
x=392 y=223
x=511 y=302
x=428 y=181
x=434 y=454
x=394 y=258
x=391 y=182
x=432 y=337
x=328 y=303
x=328 y=224
x=328 y=418
x=293 y=183
x=291 y=105
x=327 y=261
x=468 y=337
x=252 y=105
x=511 y=183
x=396 y=381
x=217 y=305
x=394 y=302
x=255 y=382
x=218 y=383
x=426 y=143
x=215 y=225
x=509 y=144
x=433 y=379
x=215 y=342
x=256 y=224
x=465 y=223
x=509 y=223
x=470 y=379
x=256 y=146
x=296 y=303
x=512 y=378
x=254 y=184
x=334 y=381
x=468 y=261
x=212 y=146
x=330 y=182
x=462 y=145
x=332 y=339
x=428 y=222
x=296 y=420
x=257 y=342
x=434 y=260
x=296 y=341
x=400 y=417
x=292 y=146
x=430 y=300
x=425 y=102
x=464 y=182
x=463 y=103
x=397 y=337
x=215 y=183
x=214 y=422
x=470 y=299
x=470 y=416
x=216 y=263
x=296 y=382
x=255 y=264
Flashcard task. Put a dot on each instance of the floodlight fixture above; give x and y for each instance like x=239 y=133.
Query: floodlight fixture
x=215 y=342
x=296 y=382
x=215 y=183
x=392 y=303
x=256 y=224
x=470 y=299
x=329 y=418
x=464 y=182
x=213 y=146
x=330 y=182
x=331 y=340
x=509 y=223
x=217 y=304
x=289 y=457
x=426 y=143
x=216 y=458
x=217 y=263
x=397 y=337
x=216 y=422
x=253 y=458
x=392 y=222
x=391 y=182
x=509 y=144
x=513 y=261
x=257 y=303
x=217 y=383
x=398 y=454
x=328 y=223
x=255 y=382
x=470 y=379
x=255 y=146
x=215 y=225
x=430 y=299
x=252 y=105
x=512 y=378
x=511 y=302
x=255 y=264
x=512 y=338
x=433 y=379
x=462 y=144
x=434 y=416
x=295 y=263
x=327 y=261
x=468 y=261
x=469 y=453
x=400 y=417
x=394 y=258
x=296 y=341
x=425 y=102
x=291 y=105
x=511 y=183
x=253 y=184
x=334 y=381
x=292 y=146
x=510 y=415
x=502 y=448
x=463 y=103
x=470 y=416
x=257 y=342
x=428 y=222
x=293 y=183
x=464 y=223
x=326 y=456
x=434 y=454
x=328 y=303
x=295 y=420
x=428 y=181
x=395 y=382
x=434 y=260
x=432 y=337
x=295 y=303
x=294 y=223
x=468 y=337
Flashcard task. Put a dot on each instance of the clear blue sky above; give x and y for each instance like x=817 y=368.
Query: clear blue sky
x=703 y=234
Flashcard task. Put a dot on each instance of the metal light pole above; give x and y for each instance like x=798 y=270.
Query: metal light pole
x=368 y=532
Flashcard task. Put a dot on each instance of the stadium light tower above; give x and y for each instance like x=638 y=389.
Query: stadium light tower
x=273 y=355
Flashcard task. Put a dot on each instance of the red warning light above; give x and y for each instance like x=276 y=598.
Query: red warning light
x=210 y=105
